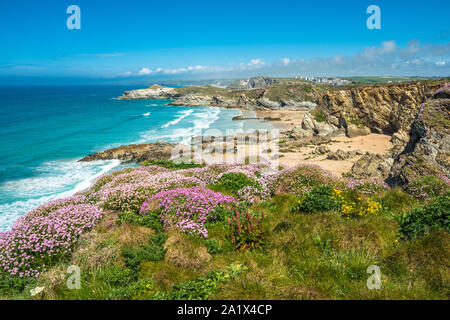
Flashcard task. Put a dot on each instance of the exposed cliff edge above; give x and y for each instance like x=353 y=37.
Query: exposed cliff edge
x=428 y=149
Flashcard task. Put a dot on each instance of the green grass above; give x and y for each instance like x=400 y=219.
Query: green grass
x=319 y=255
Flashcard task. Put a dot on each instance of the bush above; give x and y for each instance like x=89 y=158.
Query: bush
x=34 y=244
x=396 y=201
x=117 y=276
x=151 y=220
x=186 y=209
x=212 y=246
x=302 y=179
x=317 y=200
x=172 y=164
x=420 y=221
x=152 y=251
x=246 y=230
x=234 y=182
x=427 y=187
x=352 y=203
x=368 y=186
x=203 y=287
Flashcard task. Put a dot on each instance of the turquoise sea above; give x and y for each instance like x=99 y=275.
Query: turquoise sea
x=45 y=130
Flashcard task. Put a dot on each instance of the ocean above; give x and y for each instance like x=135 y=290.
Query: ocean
x=45 y=130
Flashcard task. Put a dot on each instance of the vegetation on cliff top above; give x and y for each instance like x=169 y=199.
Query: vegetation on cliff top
x=298 y=233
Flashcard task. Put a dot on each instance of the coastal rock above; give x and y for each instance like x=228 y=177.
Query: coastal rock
x=298 y=133
x=355 y=131
x=308 y=122
x=268 y=104
x=323 y=129
x=253 y=83
x=153 y=92
x=341 y=155
x=428 y=148
x=134 y=152
x=384 y=108
x=371 y=165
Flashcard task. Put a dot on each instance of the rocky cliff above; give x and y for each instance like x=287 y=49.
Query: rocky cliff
x=428 y=149
x=292 y=97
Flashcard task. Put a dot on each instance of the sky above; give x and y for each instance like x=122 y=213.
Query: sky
x=138 y=41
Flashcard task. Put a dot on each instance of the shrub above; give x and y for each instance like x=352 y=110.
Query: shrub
x=234 y=182
x=368 y=186
x=427 y=187
x=203 y=287
x=212 y=245
x=434 y=216
x=354 y=204
x=117 y=276
x=396 y=201
x=319 y=116
x=317 y=200
x=151 y=220
x=302 y=179
x=172 y=164
x=186 y=209
x=152 y=251
x=246 y=230
x=35 y=243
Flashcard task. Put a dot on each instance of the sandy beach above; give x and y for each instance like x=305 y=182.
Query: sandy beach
x=295 y=154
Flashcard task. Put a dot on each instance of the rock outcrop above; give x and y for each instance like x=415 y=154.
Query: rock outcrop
x=135 y=152
x=253 y=83
x=371 y=165
x=428 y=148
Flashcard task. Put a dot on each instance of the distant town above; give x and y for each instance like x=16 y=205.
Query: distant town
x=325 y=80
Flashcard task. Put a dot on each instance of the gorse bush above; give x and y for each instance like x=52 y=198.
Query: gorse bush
x=434 y=216
x=246 y=230
x=354 y=204
x=427 y=187
x=317 y=200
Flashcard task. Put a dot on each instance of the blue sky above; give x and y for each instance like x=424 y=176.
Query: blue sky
x=139 y=40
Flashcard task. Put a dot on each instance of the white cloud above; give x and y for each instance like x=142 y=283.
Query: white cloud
x=388 y=47
x=125 y=74
x=285 y=61
x=256 y=62
x=386 y=59
x=145 y=71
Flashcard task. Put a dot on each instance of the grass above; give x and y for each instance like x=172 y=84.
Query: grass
x=318 y=255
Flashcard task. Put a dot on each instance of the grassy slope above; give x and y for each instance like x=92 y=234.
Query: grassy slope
x=305 y=256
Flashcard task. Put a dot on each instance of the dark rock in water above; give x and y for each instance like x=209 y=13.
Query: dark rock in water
x=135 y=152
x=243 y=118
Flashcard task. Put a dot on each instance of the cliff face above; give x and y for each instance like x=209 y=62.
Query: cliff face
x=383 y=108
x=276 y=97
x=428 y=148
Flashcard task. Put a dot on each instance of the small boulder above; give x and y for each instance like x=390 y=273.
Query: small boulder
x=355 y=131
